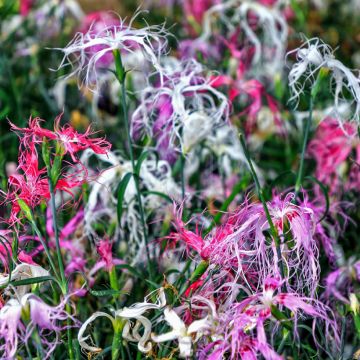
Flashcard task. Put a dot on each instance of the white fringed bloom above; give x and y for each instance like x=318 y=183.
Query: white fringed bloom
x=84 y=52
x=187 y=335
x=313 y=55
x=196 y=106
x=102 y=202
x=130 y=330
x=270 y=47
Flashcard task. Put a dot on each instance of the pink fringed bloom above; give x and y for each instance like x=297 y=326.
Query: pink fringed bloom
x=25 y=7
x=243 y=324
x=47 y=319
x=105 y=251
x=80 y=54
x=255 y=92
x=240 y=244
x=340 y=283
x=71 y=140
x=331 y=149
x=196 y=9
x=32 y=186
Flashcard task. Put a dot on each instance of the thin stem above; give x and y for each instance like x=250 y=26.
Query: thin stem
x=69 y=335
x=182 y=171
x=47 y=252
x=117 y=347
x=56 y=234
x=273 y=230
x=121 y=76
x=300 y=174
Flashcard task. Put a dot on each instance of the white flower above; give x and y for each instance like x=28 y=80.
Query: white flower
x=130 y=331
x=271 y=24
x=313 y=55
x=23 y=271
x=102 y=203
x=84 y=52
x=274 y=29
x=182 y=333
x=193 y=107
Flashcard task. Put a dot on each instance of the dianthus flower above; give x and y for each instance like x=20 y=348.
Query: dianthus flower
x=45 y=318
x=314 y=55
x=241 y=243
x=80 y=54
x=127 y=314
x=241 y=327
x=182 y=111
x=331 y=149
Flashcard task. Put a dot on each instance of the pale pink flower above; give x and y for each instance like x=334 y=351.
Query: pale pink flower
x=49 y=320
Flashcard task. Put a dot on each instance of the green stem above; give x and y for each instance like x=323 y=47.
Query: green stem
x=121 y=76
x=273 y=230
x=47 y=252
x=308 y=122
x=198 y=272
x=236 y=190
x=56 y=234
x=182 y=170
x=69 y=335
x=64 y=285
x=117 y=346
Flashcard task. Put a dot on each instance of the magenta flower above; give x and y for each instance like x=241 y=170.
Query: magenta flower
x=255 y=92
x=240 y=244
x=32 y=185
x=241 y=331
x=72 y=141
x=340 y=283
x=105 y=251
x=25 y=7
x=331 y=148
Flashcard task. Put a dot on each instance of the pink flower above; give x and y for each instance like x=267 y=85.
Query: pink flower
x=25 y=7
x=105 y=251
x=49 y=320
x=240 y=244
x=331 y=148
x=74 y=142
x=242 y=326
x=342 y=281
x=32 y=185
x=196 y=9
x=70 y=139
x=255 y=92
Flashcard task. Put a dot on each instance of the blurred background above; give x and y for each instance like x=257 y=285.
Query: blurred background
x=29 y=86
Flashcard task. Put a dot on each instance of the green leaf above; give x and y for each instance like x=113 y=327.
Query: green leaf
x=142 y=158
x=160 y=194
x=121 y=194
x=34 y=280
x=281 y=317
x=102 y=293
x=130 y=269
